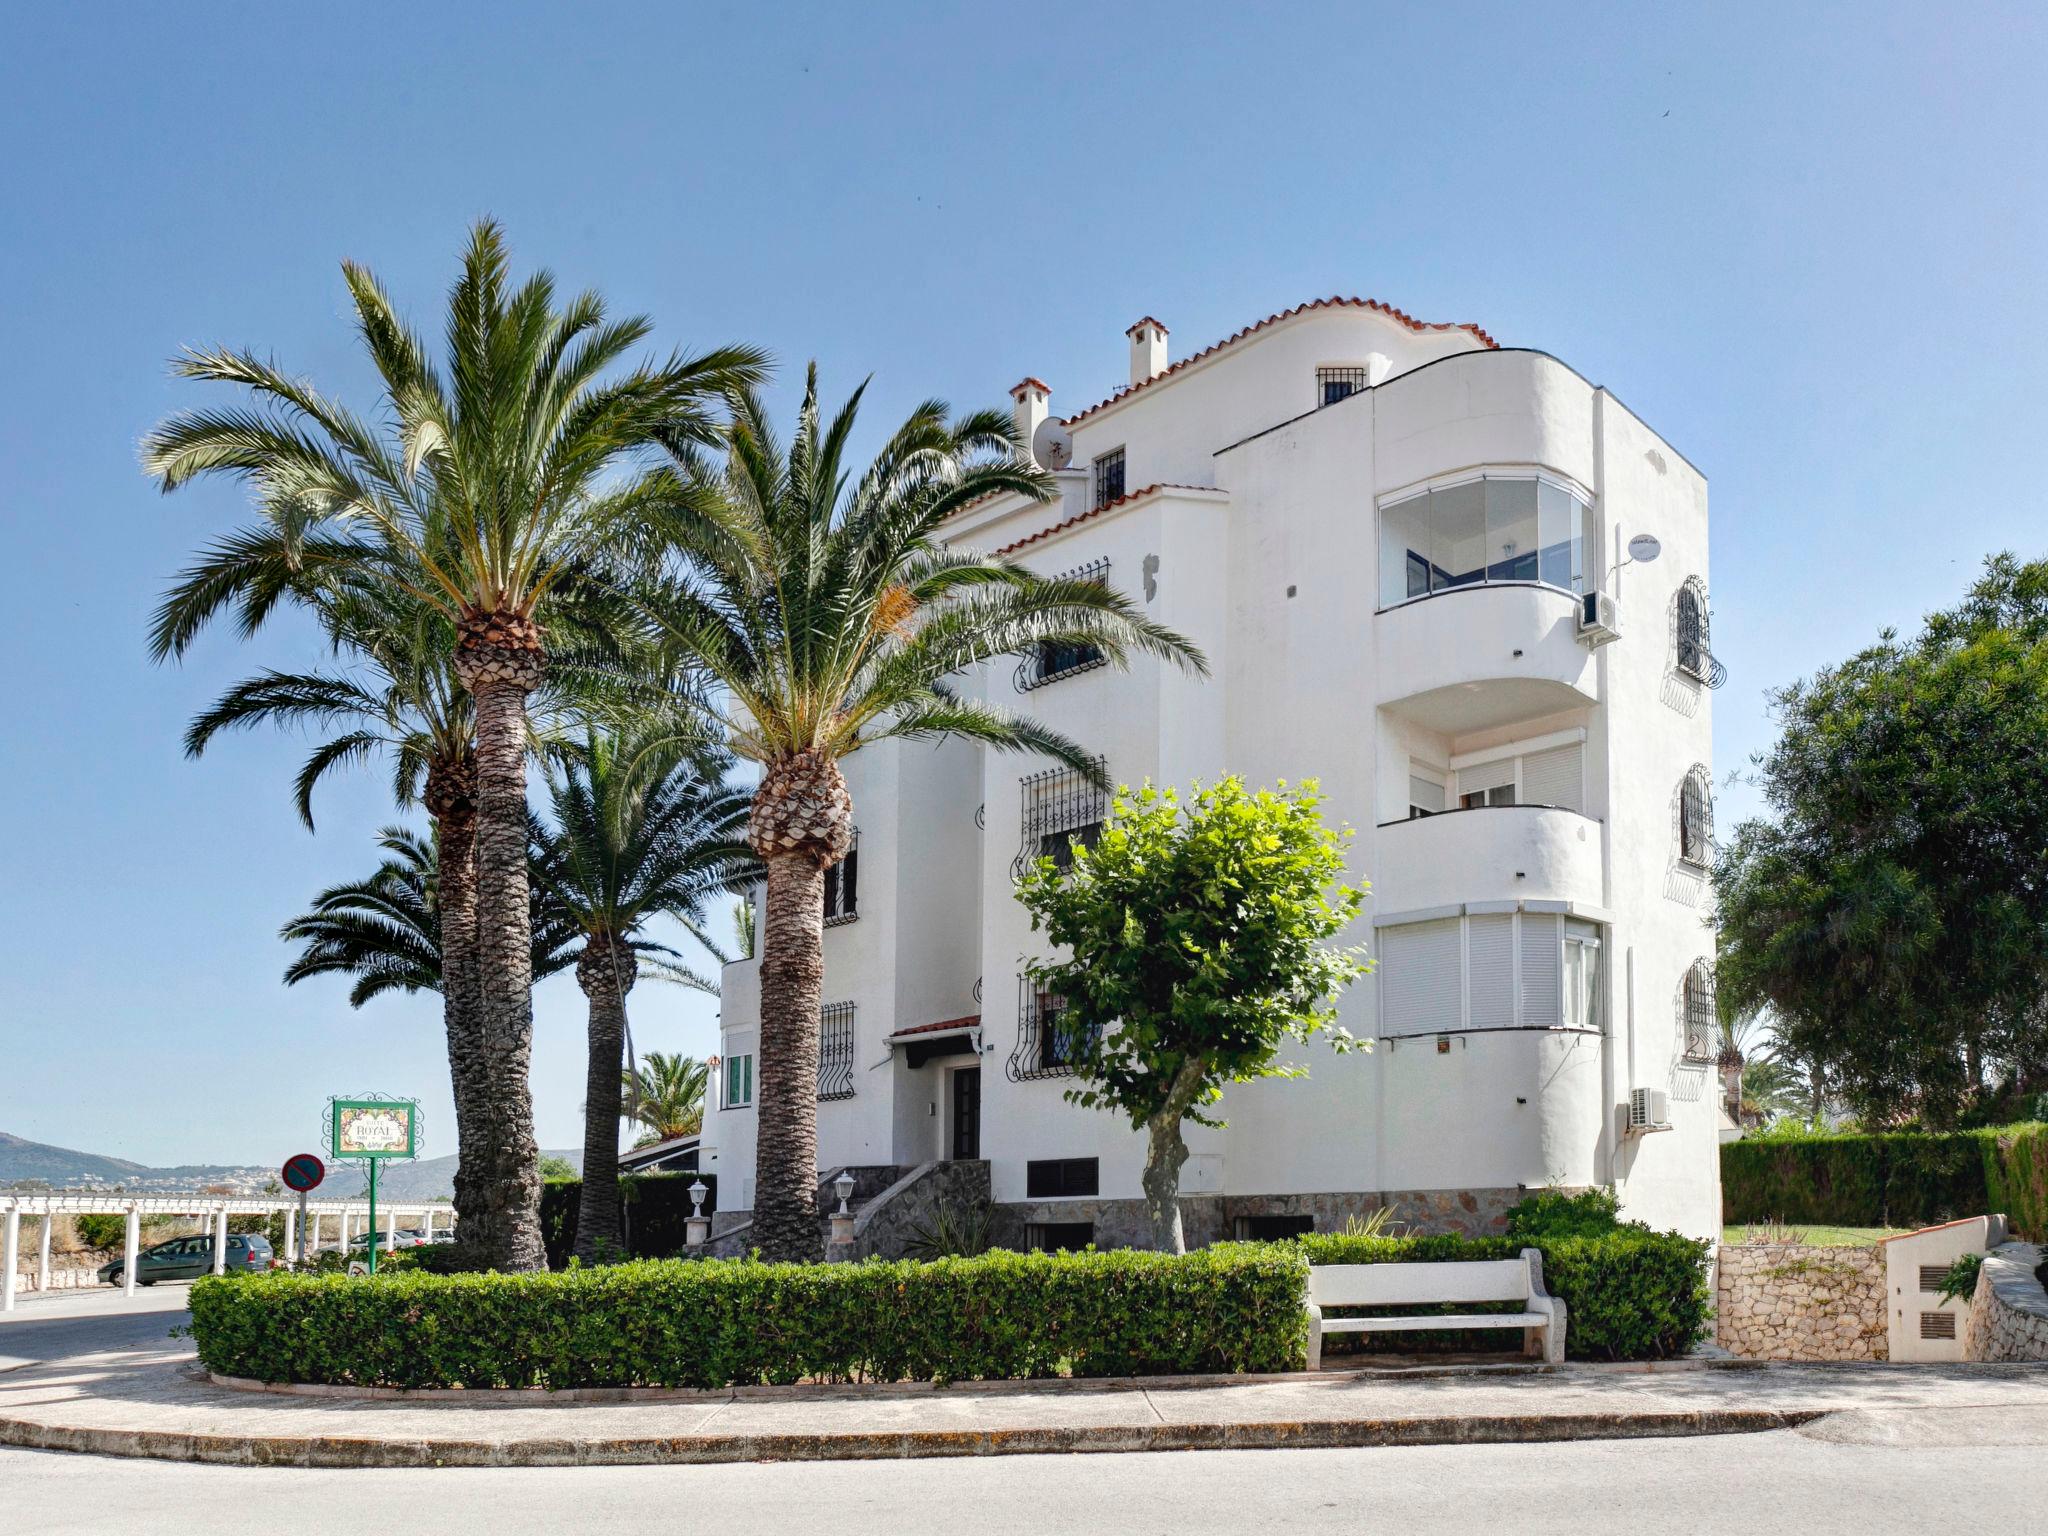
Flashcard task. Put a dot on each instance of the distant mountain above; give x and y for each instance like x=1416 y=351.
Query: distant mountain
x=24 y=1161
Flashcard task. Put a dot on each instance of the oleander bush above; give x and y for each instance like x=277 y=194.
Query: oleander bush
x=1893 y=1179
x=1630 y=1293
x=716 y=1322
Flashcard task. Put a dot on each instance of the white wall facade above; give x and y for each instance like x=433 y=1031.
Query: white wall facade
x=1251 y=522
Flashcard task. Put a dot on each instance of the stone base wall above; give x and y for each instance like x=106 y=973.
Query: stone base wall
x=1206 y=1219
x=2008 y=1316
x=889 y=1223
x=1787 y=1301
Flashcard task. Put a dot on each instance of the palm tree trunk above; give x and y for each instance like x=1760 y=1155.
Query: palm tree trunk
x=500 y=673
x=451 y=799
x=792 y=981
x=606 y=971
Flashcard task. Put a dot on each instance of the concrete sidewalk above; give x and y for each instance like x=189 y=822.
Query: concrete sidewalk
x=151 y=1401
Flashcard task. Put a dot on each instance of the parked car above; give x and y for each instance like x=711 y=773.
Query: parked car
x=405 y=1237
x=186 y=1258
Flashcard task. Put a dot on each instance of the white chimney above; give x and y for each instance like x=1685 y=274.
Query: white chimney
x=1031 y=404
x=1148 y=349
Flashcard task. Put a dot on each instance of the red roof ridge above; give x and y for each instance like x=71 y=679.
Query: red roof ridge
x=1158 y=325
x=1094 y=512
x=1027 y=382
x=1333 y=302
x=966 y=1022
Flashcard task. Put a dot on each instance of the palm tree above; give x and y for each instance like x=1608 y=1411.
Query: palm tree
x=489 y=492
x=641 y=830
x=827 y=615
x=387 y=930
x=666 y=1094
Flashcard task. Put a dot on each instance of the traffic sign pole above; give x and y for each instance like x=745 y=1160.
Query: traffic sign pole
x=372 y=1245
x=302 y=1229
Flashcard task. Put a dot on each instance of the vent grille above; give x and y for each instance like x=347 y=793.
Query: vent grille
x=1931 y=1276
x=1937 y=1325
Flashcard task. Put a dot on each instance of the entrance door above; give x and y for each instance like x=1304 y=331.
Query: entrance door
x=967 y=1114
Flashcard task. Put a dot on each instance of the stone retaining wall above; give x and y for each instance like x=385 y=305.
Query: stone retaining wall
x=2008 y=1316
x=1786 y=1301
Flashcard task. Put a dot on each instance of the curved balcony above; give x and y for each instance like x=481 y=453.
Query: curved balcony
x=1488 y=854
x=1471 y=658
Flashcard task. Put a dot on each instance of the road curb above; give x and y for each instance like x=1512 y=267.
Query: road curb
x=332 y=1451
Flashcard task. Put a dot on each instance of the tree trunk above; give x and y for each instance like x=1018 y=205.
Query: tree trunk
x=499 y=659
x=605 y=970
x=451 y=800
x=801 y=821
x=1166 y=1150
x=792 y=981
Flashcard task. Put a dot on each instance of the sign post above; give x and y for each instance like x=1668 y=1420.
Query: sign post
x=304 y=1174
x=372 y=1130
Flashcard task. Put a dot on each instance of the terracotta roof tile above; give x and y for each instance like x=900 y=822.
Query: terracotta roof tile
x=1157 y=325
x=970 y=1021
x=1334 y=302
x=1095 y=512
x=1027 y=382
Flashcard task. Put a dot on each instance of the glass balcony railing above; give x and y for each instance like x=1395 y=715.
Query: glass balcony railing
x=1496 y=528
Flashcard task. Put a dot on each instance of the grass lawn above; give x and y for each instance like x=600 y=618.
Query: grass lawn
x=1824 y=1237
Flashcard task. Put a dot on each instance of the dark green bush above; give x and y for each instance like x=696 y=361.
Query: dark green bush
x=1897 y=1179
x=714 y=1323
x=1629 y=1293
x=100 y=1229
x=656 y=1206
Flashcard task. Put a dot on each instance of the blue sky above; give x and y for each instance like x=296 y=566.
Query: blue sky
x=1804 y=243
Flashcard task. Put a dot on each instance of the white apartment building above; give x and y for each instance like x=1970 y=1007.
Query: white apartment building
x=1406 y=553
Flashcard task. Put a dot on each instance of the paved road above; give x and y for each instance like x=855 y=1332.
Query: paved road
x=1861 y=1474
x=1727 y=1484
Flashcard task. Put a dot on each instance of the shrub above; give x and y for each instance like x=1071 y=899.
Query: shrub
x=715 y=1323
x=656 y=1207
x=1912 y=1178
x=1959 y=1283
x=100 y=1229
x=1629 y=1293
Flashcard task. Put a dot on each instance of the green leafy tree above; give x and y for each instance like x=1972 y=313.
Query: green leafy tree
x=640 y=831
x=1891 y=910
x=1197 y=934
x=826 y=613
x=665 y=1094
x=491 y=487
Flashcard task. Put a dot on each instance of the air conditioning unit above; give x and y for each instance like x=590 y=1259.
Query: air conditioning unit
x=1599 y=620
x=1649 y=1109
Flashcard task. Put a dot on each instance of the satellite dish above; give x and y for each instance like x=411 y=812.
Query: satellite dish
x=1644 y=548
x=1052 y=445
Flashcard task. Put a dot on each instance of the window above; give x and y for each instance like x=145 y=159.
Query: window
x=1109 y=477
x=1488 y=971
x=1271 y=1229
x=1487 y=784
x=1697 y=1011
x=1513 y=528
x=739 y=1081
x=1048 y=1043
x=1696 y=818
x=1334 y=384
x=1058 y=1236
x=1549 y=772
x=1061 y=808
x=842 y=886
x=1052 y=660
x=835 y=1051
x=1500 y=794
x=1689 y=620
x=1062 y=1178
x=1425 y=795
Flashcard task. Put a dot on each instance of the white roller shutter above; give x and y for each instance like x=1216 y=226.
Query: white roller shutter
x=1542 y=959
x=1555 y=777
x=1490 y=964
x=1425 y=794
x=1495 y=775
x=1420 y=982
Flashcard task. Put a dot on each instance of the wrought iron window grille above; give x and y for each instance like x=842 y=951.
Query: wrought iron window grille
x=835 y=1051
x=1053 y=660
x=1696 y=818
x=1697 y=1015
x=842 y=886
x=1048 y=1045
x=1109 y=477
x=1691 y=623
x=1061 y=808
x=1334 y=384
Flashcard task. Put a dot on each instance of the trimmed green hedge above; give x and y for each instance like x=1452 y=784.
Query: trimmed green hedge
x=1629 y=1293
x=715 y=1323
x=656 y=1207
x=1898 y=1179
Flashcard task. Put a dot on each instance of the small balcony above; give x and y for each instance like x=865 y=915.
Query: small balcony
x=1489 y=853
x=1475 y=657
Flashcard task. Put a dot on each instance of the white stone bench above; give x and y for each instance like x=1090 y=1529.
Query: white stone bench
x=1411 y=1285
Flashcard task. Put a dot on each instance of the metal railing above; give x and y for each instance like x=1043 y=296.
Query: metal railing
x=835 y=1051
x=1048 y=1044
